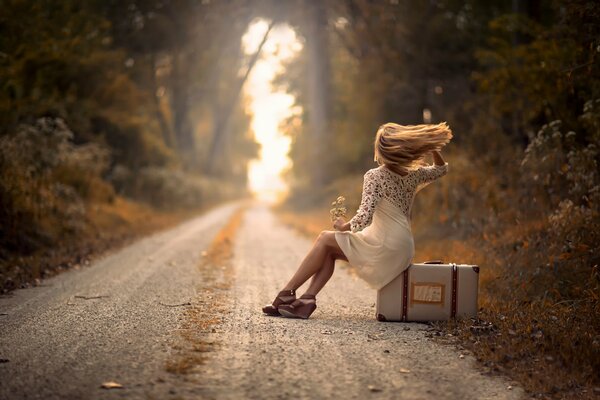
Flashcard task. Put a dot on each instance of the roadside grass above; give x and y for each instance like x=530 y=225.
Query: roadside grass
x=104 y=226
x=550 y=346
x=201 y=320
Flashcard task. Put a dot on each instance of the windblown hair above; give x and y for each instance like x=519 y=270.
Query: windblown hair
x=403 y=147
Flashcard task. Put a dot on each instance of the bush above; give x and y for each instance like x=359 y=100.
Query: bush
x=44 y=180
x=171 y=189
x=563 y=169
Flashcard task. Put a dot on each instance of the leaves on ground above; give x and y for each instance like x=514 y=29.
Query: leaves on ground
x=111 y=385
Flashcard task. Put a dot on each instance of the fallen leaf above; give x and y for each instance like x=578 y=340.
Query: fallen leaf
x=101 y=296
x=111 y=385
x=187 y=303
x=374 y=388
x=564 y=256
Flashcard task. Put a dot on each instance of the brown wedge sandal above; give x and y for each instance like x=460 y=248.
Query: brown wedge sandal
x=301 y=308
x=284 y=297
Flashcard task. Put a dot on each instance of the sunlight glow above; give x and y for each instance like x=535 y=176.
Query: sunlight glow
x=269 y=108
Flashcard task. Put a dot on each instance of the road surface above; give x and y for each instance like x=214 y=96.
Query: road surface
x=125 y=330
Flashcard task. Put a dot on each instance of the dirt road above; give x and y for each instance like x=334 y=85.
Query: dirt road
x=60 y=346
x=341 y=352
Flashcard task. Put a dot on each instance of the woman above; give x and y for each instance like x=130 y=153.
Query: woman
x=378 y=240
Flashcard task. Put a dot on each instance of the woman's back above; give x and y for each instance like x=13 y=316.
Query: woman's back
x=399 y=190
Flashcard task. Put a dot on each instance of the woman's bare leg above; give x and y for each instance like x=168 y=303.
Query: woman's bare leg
x=322 y=276
x=315 y=259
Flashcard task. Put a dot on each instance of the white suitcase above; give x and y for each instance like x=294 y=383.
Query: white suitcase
x=430 y=291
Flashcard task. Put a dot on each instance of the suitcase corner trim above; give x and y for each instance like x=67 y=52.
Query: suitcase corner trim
x=381 y=317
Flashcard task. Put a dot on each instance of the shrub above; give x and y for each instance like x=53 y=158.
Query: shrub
x=563 y=171
x=170 y=188
x=44 y=180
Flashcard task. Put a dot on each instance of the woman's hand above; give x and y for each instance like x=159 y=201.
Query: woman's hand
x=437 y=158
x=340 y=224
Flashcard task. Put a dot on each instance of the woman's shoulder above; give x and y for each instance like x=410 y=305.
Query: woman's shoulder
x=383 y=170
x=374 y=172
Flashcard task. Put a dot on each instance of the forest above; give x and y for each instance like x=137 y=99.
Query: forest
x=118 y=118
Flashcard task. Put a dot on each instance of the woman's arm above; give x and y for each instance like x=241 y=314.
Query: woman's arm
x=371 y=195
x=429 y=173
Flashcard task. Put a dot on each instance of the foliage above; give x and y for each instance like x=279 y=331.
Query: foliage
x=44 y=182
x=170 y=189
x=105 y=99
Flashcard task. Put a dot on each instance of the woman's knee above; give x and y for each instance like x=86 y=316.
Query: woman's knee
x=327 y=239
x=323 y=236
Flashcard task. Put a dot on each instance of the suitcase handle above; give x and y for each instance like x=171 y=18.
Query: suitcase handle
x=433 y=262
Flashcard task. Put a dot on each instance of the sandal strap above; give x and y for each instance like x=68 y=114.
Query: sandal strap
x=284 y=297
x=298 y=302
x=287 y=293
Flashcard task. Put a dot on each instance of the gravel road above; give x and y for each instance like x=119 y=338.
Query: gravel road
x=62 y=346
x=341 y=352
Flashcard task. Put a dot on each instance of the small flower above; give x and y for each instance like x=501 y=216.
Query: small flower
x=339 y=208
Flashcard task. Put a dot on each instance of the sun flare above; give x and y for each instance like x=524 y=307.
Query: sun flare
x=269 y=108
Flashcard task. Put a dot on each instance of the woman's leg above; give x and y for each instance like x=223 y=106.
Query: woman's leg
x=322 y=276
x=325 y=247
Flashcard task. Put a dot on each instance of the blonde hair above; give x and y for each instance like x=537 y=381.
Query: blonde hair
x=403 y=147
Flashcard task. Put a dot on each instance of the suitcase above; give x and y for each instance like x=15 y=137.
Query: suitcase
x=430 y=291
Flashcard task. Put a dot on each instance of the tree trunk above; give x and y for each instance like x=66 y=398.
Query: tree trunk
x=222 y=117
x=319 y=85
x=162 y=122
x=180 y=105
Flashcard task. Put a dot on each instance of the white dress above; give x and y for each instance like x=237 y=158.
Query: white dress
x=380 y=243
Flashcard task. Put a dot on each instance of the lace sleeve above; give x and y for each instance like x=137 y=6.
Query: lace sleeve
x=371 y=195
x=426 y=175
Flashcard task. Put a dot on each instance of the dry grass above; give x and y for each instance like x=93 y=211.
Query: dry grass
x=207 y=312
x=551 y=348
x=107 y=226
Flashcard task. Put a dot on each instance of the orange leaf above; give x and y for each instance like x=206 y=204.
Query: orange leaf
x=565 y=256
x=111 y=385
